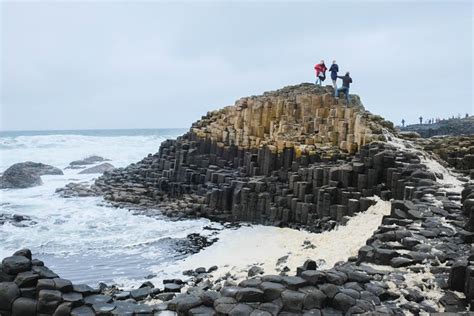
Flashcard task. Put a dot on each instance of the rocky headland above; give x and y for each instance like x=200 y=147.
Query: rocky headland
x=453 y=127
x=296 y=157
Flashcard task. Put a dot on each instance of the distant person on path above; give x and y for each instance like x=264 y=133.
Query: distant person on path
x=320 y=72
x=421 y=120
x=346 y=82
x=403 y=122
x=334 y=70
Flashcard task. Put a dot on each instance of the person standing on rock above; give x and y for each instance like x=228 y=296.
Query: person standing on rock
x=346 y=82
x=334 y=70
x=320 y=72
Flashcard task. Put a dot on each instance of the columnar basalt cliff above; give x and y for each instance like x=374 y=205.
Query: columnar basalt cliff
x=292 y=156
x=303 y=118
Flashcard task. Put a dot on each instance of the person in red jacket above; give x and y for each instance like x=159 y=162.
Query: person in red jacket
x=320 y=72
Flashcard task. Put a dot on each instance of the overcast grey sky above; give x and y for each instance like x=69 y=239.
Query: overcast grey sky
x=86 y=65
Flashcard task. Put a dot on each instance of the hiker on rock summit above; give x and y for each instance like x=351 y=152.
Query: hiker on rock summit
x=346 y=82
x=334 y=70
x=320 y=72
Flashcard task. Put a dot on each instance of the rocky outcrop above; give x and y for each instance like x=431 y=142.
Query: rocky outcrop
x=453 y=127
x=82 y=163
x=295 y=156
x=456 y=151
x=26 y=174
x=98 y=169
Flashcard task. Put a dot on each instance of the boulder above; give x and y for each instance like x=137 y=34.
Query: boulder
x=9 y=292
x=86 y=161
x=98 y=169
x=16 y=264
x=24 y=307
x=26 y=174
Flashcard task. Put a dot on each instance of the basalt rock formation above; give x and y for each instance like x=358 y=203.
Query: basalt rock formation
x=295 y=156
x=26 y=174
x=422 y=251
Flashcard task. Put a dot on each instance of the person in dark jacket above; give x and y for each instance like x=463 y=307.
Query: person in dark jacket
x=346 y=82
x=334 y=70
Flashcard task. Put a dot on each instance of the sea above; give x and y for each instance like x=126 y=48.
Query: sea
x=84 y=239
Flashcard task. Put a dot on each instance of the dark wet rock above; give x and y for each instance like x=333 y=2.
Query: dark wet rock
x=250 y=283
x=82 y=311
x=25 y=253
x=103 y=308
x=62 y=285
x=314 y=277
x=336 y=277
x=401 y=262
x=201 y=311
x=241 y=310
x=26 y=174
x=293 y=301
x=26 y=279
x=329 y=289
x=255 y=270
x=84 y=289
x=186 y=302
x=209 y=297
x=452 y=303
x=98 y=169
x=315 y=298
x=24 y=307
x=343 y=301
x=44 y=272
x=141 y=293
x=9 y=291
x=272 y=308
x=48 y=301
x=87 y=161
x=249 y=294
x=97 y=299
x=76 y=299
x=294 y=282
x=16 y=264
x=271 y=290
x=172 y=287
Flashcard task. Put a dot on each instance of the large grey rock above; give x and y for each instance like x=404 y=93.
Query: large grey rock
x=98 y=169
x=186 y=302
x=24 y=307
x=16 y=264
x=48 y=301
x=9 y=291
x=26 y=174
x=292 y=301
x=26 y=279
x=86 y=161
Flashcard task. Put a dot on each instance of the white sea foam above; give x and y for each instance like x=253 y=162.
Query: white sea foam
x=238 y=250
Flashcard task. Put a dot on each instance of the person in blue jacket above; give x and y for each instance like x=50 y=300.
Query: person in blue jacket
x=334 y=70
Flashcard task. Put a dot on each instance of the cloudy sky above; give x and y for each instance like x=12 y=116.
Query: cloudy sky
x=101 y=64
